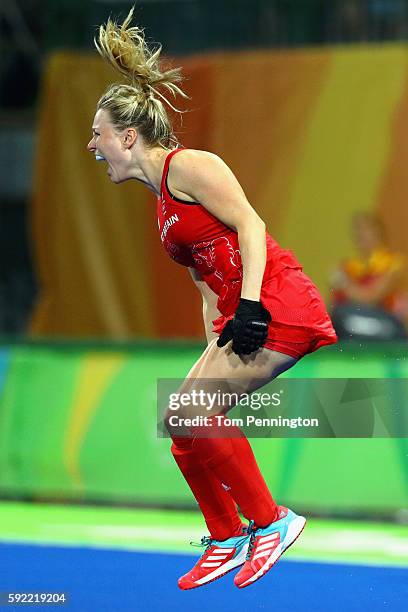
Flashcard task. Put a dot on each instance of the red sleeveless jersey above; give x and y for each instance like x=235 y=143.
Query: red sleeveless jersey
x=193 y=237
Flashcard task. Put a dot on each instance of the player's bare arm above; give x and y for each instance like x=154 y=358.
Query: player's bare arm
x=206 y=179
x=210 y=310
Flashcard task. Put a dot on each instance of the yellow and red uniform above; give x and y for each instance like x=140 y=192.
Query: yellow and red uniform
x=366 y=273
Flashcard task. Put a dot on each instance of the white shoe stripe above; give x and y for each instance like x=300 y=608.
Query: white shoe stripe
x=212 y=557
x=294 y=529
x=225 y=567
x=264 y=553
x=266 y=545
x=221 y=551
x=267 y=538
x=211 y=564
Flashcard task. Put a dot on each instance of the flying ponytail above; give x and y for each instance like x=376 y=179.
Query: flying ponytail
x=139 y=103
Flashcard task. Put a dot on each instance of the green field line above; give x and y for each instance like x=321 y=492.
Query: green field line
x=170 y=531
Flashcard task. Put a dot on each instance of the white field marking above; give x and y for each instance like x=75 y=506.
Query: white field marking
x=143 y=547
x=333 y=541
x=139 y=537
x=151 y=533
x=345 y=541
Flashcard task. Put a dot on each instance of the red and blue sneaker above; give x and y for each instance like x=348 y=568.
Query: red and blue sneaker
x=219 y=558
x=267 y=544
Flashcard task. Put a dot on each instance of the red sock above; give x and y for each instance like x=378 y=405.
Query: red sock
x=216 y=504
x=232 y=461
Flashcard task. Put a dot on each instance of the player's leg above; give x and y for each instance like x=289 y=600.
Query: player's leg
x=227 y=545
x=216 y=504
x=228 y=453
x=230 y=457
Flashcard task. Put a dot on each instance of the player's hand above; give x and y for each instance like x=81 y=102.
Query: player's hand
x=248 y=330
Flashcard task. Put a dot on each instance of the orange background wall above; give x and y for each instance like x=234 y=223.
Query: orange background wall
x=313 y=136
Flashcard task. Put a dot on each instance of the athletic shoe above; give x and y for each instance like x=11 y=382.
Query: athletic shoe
x=219 y=558
x=267 y=544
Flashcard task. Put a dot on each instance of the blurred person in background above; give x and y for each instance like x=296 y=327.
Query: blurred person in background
x=387 y=19
x=373 y=277
x=256 y=292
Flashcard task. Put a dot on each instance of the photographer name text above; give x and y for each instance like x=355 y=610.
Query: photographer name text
x=249 y=420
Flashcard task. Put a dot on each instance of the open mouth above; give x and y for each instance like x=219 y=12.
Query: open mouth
x=101 y=158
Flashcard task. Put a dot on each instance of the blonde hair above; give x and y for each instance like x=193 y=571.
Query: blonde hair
x=138 y=104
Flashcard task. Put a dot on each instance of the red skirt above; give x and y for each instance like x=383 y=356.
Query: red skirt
x=300 y=322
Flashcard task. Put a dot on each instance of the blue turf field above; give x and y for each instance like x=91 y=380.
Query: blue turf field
x=118 y=581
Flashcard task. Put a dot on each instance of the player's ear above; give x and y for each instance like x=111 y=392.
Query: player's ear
x=129 y=137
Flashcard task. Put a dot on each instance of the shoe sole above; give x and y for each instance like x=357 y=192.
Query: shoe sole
x=239 y=560
x=294 y=530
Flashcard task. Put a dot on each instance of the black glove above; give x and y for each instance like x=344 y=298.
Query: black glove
x=248 y=330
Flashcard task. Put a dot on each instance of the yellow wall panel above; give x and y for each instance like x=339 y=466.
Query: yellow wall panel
x=312 y=135
x=344 y=154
